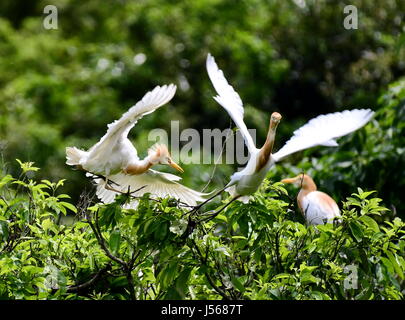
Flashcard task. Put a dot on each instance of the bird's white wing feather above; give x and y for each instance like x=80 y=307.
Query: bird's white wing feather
x=229 y=99
x=323 y=130
x=120 y=128
x=158 y=184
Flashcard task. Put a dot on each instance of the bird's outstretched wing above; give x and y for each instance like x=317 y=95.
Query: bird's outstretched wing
x=323 y=130
x=229 y=99
x=158 y=184
x=121 y=127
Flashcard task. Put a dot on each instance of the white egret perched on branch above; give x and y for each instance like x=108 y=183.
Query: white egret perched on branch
x=322 y=130
x=115 y=159
x=316 y=206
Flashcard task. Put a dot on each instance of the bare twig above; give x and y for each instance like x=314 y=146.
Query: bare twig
x=219 y=156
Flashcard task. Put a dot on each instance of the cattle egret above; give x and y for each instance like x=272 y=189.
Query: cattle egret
x=322 y=130
x=115 y=158
x=316 y=206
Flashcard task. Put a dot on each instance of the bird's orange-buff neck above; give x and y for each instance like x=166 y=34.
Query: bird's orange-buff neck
x=141 y=166
x=307 y=186
x=267 y=148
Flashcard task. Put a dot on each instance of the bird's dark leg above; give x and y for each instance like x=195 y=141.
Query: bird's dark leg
x=131 y=192
x=102 y=178
x=107 y=185
x=212 y=216
x=107 y=182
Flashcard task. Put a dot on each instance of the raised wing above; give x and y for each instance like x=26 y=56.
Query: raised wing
x=121 y=127
x=229 y=99
x=158 y=184
x=323 y=130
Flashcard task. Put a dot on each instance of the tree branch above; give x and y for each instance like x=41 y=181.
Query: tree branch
x=87 y=284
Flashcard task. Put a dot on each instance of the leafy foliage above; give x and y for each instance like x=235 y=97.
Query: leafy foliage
x=259 y=250
x=61 y=87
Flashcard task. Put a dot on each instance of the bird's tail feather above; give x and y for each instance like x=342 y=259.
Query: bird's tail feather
x=74 y=155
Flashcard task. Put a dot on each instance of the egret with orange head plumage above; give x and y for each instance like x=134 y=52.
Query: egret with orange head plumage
x=316 y=206
x=322 y=130
x=114 y=158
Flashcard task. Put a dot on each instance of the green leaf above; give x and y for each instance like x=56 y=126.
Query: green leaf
x=306 y=274
x=239 y=238
x=307 y=278
x=224 y=250
x=69 y=206
x=363 y=194
x=257 y=255
x=27 y=166
x=162 y=230
x=394 y=262
x=387 y=263
x=60 y=183
x=110 y=214
x=366 y=293
x=6 y=179
x=3 y=229
x=370 y=223
x=317 y=295
x=115 y=240
x=181 y=284
x=47 y=224
x=221 y=217
x=356 y=230
x=168 y=274
x=282 y=276
x=237 y=284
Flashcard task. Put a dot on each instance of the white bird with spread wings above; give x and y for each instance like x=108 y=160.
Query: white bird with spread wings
x=115 y=158
x=322 y=130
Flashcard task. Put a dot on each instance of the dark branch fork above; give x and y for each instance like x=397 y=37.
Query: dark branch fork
x=90 y=282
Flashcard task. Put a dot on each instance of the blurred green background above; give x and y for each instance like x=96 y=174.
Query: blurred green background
x=62 y=87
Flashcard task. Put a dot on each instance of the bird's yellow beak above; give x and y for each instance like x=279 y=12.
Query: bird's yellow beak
x=288 y=180
x=176 y=166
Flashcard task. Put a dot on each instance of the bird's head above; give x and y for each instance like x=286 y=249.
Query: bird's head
x=159 y=154
x=275 y=120
x=303 y=181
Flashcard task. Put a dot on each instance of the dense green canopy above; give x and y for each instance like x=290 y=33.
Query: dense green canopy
x=61 y=87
